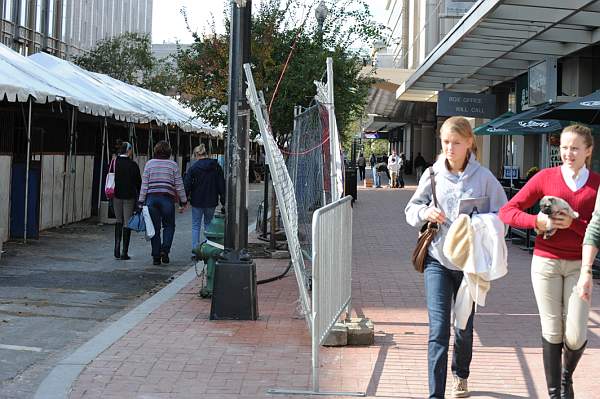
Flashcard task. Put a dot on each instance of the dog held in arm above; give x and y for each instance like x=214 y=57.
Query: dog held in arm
x=551 y=206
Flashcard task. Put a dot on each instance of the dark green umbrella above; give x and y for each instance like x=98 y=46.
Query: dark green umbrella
x=483 y=129
x=585 y=110
x=528 y=122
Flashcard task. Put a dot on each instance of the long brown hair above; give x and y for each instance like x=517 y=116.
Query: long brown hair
x=586 y=134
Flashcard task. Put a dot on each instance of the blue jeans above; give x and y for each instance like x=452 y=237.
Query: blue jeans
x=162 y=212
x=376 y=178
x=197 y=215
x=441 y=286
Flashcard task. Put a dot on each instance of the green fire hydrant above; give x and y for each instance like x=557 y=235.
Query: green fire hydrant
x=209 y=251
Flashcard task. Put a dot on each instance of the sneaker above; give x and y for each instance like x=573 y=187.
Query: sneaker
x=156 y=260
x=460 y=388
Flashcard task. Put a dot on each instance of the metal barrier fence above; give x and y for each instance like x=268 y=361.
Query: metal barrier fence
x=332 y=281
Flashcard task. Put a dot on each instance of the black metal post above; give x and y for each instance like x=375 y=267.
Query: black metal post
x=236 y=156
x=234 y=292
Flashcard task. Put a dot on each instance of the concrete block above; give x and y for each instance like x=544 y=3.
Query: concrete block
x=360 y=332
x=338 y=336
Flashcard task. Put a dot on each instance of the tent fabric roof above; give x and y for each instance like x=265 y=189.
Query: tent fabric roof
x=20 y=78
x=47 y=78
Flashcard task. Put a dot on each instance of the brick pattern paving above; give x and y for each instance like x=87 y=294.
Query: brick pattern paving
x=178 y=353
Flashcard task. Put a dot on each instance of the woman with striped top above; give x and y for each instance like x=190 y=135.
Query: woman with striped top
x=162 y=187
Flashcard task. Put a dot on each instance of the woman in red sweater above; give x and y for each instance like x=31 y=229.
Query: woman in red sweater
x=556 y=262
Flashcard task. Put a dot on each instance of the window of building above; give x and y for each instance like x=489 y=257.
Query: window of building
x=51 y=18
x=23 y=13
x=8 y=5
x=63 y=25
x=38 y=16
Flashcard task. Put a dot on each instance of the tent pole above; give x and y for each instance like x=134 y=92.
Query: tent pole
x=27 y=171
x=101 y=165
x=178 y=152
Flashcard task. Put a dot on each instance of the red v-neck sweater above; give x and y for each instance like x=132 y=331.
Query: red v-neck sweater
x=565 y=243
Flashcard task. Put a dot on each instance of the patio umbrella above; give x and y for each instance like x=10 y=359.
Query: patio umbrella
x=585 y=110
x=483 y=129
x=528 y=122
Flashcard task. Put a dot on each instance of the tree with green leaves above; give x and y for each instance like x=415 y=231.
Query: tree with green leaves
x=129 y=58
x=278 y=27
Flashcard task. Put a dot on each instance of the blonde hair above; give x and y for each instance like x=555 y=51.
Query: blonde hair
x=200 y=150
x=586 y=134
x=462 y=127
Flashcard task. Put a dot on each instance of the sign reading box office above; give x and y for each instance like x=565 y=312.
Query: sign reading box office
x=472 y=105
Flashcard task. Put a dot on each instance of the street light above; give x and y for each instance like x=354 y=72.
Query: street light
x=321 y=13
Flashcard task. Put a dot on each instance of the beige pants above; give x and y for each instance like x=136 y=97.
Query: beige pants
x=564 y=315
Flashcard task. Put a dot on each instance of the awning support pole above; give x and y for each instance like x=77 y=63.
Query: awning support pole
x=101 y=165
x=27 y=170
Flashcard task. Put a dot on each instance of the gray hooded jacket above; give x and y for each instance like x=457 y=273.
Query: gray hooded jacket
x=476 y=181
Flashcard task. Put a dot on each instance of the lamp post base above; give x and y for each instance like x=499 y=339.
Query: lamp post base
x=234 y=292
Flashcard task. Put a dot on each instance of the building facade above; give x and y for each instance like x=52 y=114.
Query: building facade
x=67 y=27
x=525 y=53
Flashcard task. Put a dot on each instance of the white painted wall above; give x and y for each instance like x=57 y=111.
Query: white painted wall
x=5 y=177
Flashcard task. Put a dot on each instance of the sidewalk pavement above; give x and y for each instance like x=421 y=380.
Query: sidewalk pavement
x=176 y=352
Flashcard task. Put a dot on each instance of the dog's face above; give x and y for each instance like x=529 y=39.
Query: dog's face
x=551 y=205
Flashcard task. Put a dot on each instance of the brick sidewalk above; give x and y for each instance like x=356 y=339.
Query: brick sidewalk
x=178 y=353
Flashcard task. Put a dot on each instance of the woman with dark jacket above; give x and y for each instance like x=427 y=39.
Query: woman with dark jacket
x=127 y=187
x=204 y=185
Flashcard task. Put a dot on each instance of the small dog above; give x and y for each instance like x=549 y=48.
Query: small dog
x=552 y=206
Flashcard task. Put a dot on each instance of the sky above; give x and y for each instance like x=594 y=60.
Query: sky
x=168 y=24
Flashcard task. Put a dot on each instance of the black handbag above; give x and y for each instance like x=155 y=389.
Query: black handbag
x=426 y=235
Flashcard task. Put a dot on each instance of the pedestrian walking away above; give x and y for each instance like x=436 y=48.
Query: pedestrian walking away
x=457 y=175
x=420 y=164
x=393 y=166
x=204 y=186
x=127 y=186
x=556 y=266
x=401 y=166
x=361 y=162
x=162 y=187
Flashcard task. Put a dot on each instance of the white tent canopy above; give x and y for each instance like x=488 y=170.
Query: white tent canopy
x=47 y=78
x=21 y=78
x=125 y=101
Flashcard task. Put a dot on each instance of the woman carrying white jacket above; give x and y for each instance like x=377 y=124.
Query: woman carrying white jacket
x=458 y=176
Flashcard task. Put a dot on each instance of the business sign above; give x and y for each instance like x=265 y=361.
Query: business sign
x=472 y=105
x=511 y=172
x=459 y=7
x=542 y=82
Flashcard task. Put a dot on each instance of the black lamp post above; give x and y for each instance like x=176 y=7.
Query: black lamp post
x=321 y=13
x=234 y=293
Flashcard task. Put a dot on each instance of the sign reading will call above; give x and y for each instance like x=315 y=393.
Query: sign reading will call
x=472 y=105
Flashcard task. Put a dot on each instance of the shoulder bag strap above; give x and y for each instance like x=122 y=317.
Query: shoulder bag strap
x=432 y=177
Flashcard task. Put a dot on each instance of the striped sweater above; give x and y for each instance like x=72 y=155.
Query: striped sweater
x=161 y=176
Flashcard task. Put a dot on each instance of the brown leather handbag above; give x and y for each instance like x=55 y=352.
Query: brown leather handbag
x=426 y=234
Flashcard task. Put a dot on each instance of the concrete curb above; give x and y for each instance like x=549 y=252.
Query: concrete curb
x=57 y=384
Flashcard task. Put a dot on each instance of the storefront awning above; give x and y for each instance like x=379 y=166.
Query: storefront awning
x=498 y=40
